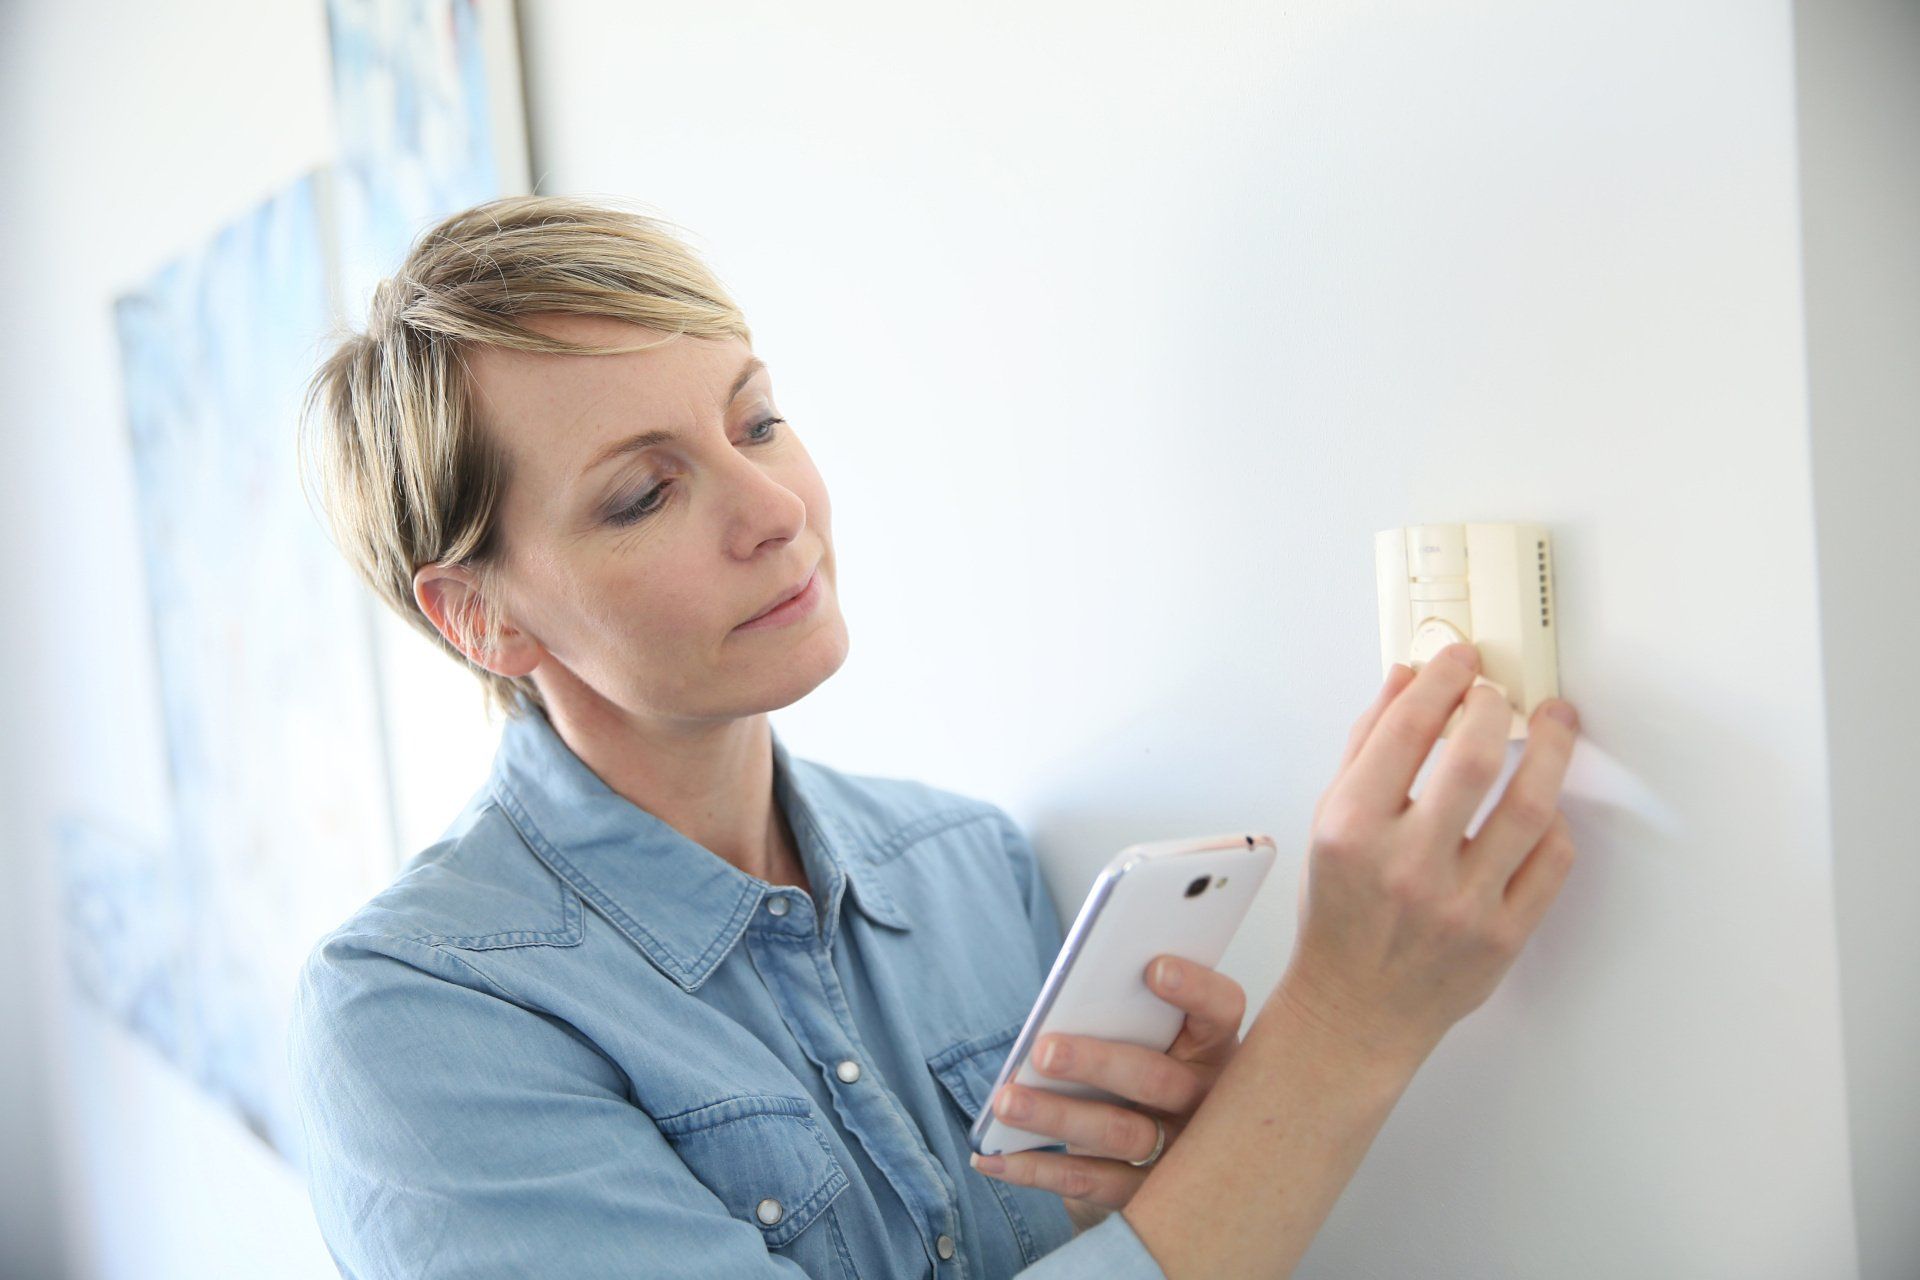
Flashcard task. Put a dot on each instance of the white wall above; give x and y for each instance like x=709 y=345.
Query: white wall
x=131 y=132
x=29 y=1197
x=1857 y=66
x=1175 y=304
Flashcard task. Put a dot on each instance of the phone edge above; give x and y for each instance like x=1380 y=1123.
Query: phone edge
x=1070 y=948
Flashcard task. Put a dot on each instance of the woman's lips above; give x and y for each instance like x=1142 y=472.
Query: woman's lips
x=798 y=607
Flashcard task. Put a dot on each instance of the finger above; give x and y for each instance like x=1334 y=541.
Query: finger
x=1174 y=1125
x=1399 y=676
x=1401 y=740
x=1215 y=1004
x=1469 y=765
x=1537 y=883
x=1095 y=1127
x=1528 y=807
x=1104 y=1182
x=1125 y=1070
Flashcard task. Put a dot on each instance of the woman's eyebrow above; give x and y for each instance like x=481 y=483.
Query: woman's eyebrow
x=647 y=439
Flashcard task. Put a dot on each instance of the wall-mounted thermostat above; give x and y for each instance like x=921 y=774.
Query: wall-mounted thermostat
x=1488 y=585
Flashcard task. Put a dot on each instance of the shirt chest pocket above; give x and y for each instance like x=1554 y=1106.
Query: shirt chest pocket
x=967 y=1070
x=765 y=1157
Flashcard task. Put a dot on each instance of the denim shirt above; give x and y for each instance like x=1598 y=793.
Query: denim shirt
x=568 y=1041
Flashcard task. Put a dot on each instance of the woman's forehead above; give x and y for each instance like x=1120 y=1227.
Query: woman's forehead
x=561 y=389
x=564 y=417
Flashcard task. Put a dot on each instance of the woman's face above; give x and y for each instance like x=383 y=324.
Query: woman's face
x=657 y=500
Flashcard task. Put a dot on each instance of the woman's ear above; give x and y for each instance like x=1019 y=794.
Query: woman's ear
x=450 y=596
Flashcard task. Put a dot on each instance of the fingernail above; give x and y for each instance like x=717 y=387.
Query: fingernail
x=1466 y=655
x=1167 y=975
x=987 y=1164
x=1055 y=1055
x=1562 y=710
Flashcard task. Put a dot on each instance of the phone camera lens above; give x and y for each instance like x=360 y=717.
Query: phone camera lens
x=1199 y=886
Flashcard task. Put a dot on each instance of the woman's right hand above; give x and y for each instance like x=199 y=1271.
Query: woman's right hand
x=1406 y=926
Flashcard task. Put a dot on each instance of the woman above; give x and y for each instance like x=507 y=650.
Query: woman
x=666 y=1000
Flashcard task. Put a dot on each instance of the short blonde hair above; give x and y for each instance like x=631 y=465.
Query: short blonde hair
x=388 y=432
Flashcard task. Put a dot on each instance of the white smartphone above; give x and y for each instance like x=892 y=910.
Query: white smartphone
x=1169 y=897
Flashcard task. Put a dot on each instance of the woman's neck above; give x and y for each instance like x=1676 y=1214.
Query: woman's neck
x=711 y=782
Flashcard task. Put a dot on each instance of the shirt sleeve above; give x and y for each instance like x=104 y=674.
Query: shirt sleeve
x=1109 y=1250
x=452 y=1132
x=1043 y=917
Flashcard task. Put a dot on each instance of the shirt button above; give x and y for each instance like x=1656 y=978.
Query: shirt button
x=770 y=1212
x=945 y=1245
x=848 y=1071
x=778 y=905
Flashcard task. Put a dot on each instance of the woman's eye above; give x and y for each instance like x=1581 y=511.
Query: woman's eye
x=643 y=506
x=646 y=504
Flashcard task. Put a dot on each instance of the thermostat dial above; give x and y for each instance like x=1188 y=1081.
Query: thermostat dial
x=1433 y=635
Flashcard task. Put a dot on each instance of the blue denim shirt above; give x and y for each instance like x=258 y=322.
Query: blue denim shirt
x=568 y=1041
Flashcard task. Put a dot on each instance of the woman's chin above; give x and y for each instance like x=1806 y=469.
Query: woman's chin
x=814 y=651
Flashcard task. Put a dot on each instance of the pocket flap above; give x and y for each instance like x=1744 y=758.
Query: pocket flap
x=765 y=1157
x=968 y=1069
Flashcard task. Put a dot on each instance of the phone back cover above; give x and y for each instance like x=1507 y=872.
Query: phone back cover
x=1098 y=981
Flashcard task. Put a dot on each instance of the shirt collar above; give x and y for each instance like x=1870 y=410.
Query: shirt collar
x=682 y=904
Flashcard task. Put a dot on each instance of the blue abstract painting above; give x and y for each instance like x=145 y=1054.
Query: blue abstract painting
x=411 y=114
x=266 y=650
x=264 y=663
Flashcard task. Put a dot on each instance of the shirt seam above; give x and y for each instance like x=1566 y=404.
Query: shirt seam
x=925 y=826
x=688 y=973
x=435 y=952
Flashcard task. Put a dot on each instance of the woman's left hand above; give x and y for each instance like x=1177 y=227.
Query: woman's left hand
x=1094 y=1177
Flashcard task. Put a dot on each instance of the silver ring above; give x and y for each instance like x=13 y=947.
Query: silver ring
x=1159 y=1144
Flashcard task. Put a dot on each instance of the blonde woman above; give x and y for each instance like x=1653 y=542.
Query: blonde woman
x=663 y=999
